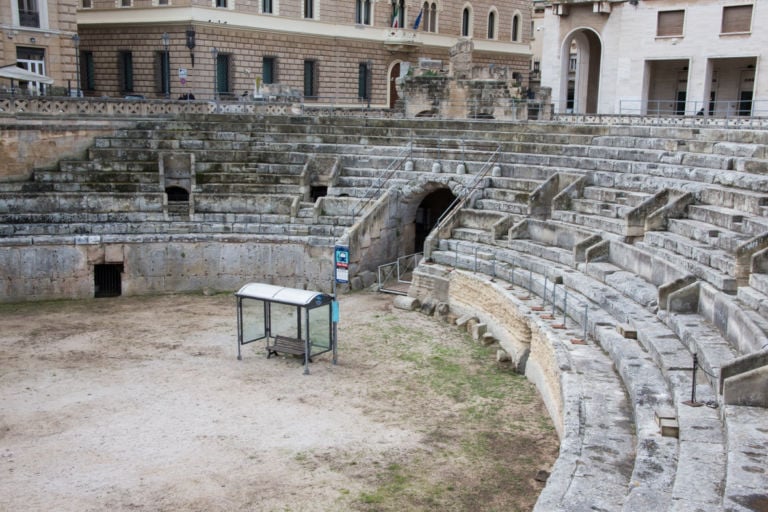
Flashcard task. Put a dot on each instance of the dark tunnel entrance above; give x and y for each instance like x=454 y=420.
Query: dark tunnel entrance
x=430 y=209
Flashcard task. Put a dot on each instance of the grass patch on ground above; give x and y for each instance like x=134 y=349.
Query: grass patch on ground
x=486 y=421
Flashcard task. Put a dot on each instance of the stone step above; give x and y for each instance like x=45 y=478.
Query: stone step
x=547 y=252
x=619 y=197
x=516 y=185
x=471 y=235
x=759 y=282
x=600 y=208
x=598 y=224
x=715 y=277
x=747 y=200
x=478 y=219
x=708 y=234
x=90 y=166
x=703 y=339
x=246 y=178
x=502 y=206
x=694 y=250
x=242 y=188
x=629 y=284
x=719 y=216
x=747 y=452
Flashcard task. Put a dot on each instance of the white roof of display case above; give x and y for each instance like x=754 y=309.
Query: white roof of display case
x=275 y=293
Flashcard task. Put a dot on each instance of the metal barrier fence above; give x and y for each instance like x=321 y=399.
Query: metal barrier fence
x=398 y=270
x=553 y=295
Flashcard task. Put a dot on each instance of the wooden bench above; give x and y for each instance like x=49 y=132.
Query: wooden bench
x=286 y=345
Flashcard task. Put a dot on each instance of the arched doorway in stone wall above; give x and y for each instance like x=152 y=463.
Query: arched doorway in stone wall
x=429 y=210
x=580 y=58
x=420 y=209
x=394 y=74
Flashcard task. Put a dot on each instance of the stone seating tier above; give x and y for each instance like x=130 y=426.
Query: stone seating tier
x=656 y=457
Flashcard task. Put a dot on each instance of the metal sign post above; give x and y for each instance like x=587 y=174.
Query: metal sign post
x=340 y=275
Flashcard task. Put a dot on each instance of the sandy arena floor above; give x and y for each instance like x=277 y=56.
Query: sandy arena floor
x=139 y=403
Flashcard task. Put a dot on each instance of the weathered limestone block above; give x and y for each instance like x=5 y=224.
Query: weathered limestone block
x=463 y=321
x=478 y=330
x=487 y=339
x=428 y=307
x=407 y=303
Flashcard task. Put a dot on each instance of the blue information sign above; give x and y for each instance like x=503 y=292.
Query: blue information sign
x=341 y=263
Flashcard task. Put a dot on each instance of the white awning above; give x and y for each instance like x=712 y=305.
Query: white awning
x=14 y=72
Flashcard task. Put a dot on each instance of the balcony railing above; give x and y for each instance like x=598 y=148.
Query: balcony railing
x=401 y=38
x=29 y=19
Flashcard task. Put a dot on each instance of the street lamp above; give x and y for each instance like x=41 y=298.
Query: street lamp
x=215 y=55
x=76 y=42
x=166 y=64
x=191 y=43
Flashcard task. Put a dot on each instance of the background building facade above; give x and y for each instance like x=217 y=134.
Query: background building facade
x=656 y=57
x=37 y=36
x=328 y=51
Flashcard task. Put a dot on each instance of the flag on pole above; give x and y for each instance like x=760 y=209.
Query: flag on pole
x=418 y=19
x=396 y=17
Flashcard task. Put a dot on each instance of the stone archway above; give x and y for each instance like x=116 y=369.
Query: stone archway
x=581 y=57
x=421 y=207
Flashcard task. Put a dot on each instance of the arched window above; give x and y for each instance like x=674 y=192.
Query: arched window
x=398 y=14
x=466 y=19
x=433 y=17
x=492 y=25
x=516 y=27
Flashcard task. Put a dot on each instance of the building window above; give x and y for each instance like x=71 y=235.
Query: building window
x=162 y=73
x=223 y=74
x=492 y=25
x=269 y=70
x=572 y=62
x=163 y=2
x=29 y=15
x=309 y=9
x=670 y=23
x=363 y=12
x=87 y=4
x=433 y=17
x=398 y=13
x=466 y=22
x=221 y=3
x=516 y=28
x=364 y=81
x=125 y=3
x=125 y=71
x=87 y=71
x=267 y=7
x=310 y=79
x=737 y=18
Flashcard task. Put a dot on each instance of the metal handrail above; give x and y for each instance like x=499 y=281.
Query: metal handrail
x=458 y=203
x=376 y=187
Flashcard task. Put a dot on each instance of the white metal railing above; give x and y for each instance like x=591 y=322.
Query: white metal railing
x=726 y=109
x=398 y=270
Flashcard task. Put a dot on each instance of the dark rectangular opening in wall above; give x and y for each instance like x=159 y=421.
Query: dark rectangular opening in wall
x=318 y=191
x=106 y=280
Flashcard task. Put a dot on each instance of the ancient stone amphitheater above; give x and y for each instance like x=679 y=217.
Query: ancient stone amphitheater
x=623 y=268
